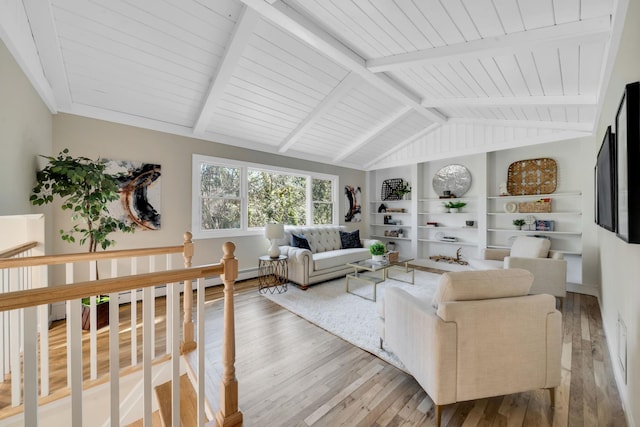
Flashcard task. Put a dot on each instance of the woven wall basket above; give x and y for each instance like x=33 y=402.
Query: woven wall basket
x=532 y=176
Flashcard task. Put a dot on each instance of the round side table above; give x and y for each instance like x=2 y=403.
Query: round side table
x=273 y=274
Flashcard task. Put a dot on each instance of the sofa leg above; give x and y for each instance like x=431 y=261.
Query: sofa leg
x=438 y=414
x=381 y=348
x=561 y=303
x=552 y=396
x=304 y=287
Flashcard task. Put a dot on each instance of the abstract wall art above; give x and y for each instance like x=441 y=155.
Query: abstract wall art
x=352 y=204
x=140 y=186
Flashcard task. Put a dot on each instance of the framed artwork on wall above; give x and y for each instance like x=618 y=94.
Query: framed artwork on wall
x=606 y=183
x=628 y=164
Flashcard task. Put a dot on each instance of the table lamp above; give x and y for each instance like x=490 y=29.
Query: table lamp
x=273 y=232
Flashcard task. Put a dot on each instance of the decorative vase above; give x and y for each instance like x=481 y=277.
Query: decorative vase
x=454 y=210
x=377 y=258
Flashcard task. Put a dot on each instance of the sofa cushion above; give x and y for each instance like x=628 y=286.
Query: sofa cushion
x=350 y=240
x=299 y=241
x=340 y=257
x=487 y=284
x=530 y=247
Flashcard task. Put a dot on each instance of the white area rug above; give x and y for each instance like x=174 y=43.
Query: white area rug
x=348 y=316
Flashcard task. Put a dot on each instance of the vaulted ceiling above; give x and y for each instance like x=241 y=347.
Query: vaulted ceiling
x=357 y=83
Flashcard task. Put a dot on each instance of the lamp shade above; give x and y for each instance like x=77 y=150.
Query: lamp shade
x=274 y=231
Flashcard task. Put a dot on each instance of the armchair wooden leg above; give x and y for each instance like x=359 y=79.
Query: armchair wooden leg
x=438 y=414
x=552 y=396
x=561 y=303
x=381 y=348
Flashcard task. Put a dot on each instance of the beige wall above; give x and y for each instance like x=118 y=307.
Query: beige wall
x=25 y=131
x=96 y=138
x=620 y=262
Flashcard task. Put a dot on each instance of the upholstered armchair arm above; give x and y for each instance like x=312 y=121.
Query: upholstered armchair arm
x=494 y=254
x=425 y=344
x=549 y=274
x=296 y=254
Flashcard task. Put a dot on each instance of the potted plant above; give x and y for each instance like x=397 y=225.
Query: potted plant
x=400 y=232
x=377 y=251
x=86 y=191
x=518 y=223
x=455 y=207
x=403 y=190
x=102 y=312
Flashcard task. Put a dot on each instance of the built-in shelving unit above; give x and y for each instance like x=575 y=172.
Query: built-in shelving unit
x=493 y=225
x=566 y=235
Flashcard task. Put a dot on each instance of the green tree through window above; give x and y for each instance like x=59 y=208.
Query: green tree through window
x=238 y=197
x=276 y=197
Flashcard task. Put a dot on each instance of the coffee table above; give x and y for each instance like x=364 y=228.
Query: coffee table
x=374 y=272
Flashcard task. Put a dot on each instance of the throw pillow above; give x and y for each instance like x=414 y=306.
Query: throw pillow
x=350 y=240
x=299 y=241
x=530 y=247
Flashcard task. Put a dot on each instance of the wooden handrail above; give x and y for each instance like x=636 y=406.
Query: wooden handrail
x=39 y=296
x=17 y=250
x=87 y=256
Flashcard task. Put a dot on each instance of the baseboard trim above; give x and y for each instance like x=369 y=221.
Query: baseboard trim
x=580 y=288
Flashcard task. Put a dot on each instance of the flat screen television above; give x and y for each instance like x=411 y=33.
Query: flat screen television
x=606 y=183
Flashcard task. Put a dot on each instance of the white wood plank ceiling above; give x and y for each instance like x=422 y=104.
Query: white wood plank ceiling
x=357 y=83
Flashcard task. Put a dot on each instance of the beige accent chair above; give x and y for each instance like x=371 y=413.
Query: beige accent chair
x=481 y=336
x=549 y=268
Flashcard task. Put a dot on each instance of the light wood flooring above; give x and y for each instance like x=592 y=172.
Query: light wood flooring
x=292 y=373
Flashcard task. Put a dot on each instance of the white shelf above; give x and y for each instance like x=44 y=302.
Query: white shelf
x=448 y=199
x=513 y=230
x=389 y=237
x=447 y=213
x=540 y=196
x=392 y=225
x=536 y=213
x=390 y=201
x=447 y=243
x=555 y=250
x=448 y=228
x=390 y=213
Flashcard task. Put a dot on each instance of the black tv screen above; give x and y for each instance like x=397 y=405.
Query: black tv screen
x=605 y=183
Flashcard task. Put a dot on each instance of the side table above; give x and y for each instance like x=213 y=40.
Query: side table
x=273 y=274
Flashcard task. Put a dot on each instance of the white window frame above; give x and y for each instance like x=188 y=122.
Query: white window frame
x=245 y=230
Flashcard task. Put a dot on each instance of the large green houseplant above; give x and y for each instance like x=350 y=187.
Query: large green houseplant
x=86 y=190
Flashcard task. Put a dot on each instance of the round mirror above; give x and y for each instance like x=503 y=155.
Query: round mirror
x=452 y=180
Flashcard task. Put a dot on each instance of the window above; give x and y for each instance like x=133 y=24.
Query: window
x=232 y=197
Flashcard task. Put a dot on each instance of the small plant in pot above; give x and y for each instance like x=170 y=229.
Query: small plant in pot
x=455 y=207
x=518 y=223
x=377 y=251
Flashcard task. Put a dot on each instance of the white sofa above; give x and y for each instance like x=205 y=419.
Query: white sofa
x=480 y=336
x=326 y=259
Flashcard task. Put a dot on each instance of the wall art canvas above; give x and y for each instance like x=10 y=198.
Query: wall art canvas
x=140 y=186
x=352 y=204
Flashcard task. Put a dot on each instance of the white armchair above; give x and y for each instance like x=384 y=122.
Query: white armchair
x=549 y=268
x=481 y=336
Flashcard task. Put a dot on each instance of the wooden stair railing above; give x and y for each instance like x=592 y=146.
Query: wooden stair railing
x=29 y=300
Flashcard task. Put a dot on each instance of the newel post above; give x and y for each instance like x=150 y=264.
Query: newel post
x=188 y=343
x=229 y=415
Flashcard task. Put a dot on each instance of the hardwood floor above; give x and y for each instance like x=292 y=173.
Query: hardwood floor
x=292 y=373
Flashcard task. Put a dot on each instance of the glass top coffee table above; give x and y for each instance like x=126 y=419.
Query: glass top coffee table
x=372 y=272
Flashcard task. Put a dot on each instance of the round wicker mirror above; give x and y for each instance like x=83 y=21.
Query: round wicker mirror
x=456 y=179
